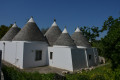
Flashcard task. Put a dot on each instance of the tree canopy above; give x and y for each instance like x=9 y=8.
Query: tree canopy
x=44 y=30
x=90 y=32
x=4 y=29
x=111 y=42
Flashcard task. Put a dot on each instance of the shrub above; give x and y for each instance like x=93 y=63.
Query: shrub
x=11 y=73
x=101 y=73
x=77 y=77
x=98 y=77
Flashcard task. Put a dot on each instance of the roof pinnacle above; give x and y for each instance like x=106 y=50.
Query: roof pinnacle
x=54 y=20
x=31 y=19
x=14 y=25
x=65 y=30
x=54 y=23
x=77 y=29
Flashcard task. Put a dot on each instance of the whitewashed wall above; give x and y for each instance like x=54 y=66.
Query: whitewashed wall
x=1 y=48
x=96 y=56
x=50 y=49
x=14 y=53
x=10 y=52
x=29 y=54
x=91 y=62
x=1 y=45
x=61 y=58
x=78 y=58
x=19 y=53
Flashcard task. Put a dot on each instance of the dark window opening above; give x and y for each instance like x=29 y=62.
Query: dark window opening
x=89 y=57
x=38 y=55
x=51 y=55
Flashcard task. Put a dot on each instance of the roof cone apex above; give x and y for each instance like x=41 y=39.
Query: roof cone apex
x=77 y=30
x=65 y=30
x=54 y=24
x=14 y=25
x=31 y=20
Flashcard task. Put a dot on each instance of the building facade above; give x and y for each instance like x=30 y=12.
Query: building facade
x=28 y=47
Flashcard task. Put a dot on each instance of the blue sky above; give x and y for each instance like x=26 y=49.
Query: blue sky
x=70 y=13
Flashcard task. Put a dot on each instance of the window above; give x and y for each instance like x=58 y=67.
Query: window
x=51 y=55
x=38 y=55
x=89 y=57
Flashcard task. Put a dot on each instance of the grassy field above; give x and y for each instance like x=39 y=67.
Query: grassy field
x=99 y=73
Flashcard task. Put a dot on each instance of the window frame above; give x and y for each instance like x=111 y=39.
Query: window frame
x=90 y=57
x=51 y=55
x=38 y=55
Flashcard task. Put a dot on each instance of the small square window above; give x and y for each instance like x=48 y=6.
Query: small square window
x=89 y=57
x=51 y=55
x=38 y=55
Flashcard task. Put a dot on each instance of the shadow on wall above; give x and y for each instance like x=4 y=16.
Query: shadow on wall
x=0 y=62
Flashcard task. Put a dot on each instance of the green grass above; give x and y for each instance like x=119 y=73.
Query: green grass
x=101 y=73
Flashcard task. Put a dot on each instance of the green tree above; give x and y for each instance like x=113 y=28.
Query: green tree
x=90 y=32
x=4 y=29
x=44 y=30
x=111 y=42
x=107 y=24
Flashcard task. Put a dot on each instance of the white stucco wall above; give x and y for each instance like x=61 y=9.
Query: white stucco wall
x=14 y=53
x=29 y=54
x=78 y=58
x=22 y=53
x=19 y=53
x=96 y=56
x=91 y=62
x=1 y=45
x=50 y=49
x=1 y=48
x=10 y=52
x=61 y=58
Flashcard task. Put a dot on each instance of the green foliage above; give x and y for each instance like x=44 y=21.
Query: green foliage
x=109 y=46
x=111 y=42
x=3 y=30
x=77 y=77
x=11 y=73
x=107 y=24
x=100 y=73
x=44 y=30
x=90 y=32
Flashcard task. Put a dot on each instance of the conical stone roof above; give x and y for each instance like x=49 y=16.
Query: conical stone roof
x=11 y=33
x=80 y=39
x=64 y=39
x=30 y=32
x=53 y=33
